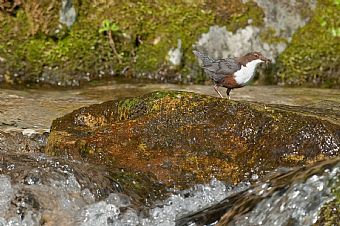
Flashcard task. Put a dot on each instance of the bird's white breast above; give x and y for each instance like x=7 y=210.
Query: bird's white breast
x=246 y=73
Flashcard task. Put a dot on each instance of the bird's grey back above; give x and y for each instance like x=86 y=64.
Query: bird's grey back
x=218 y=69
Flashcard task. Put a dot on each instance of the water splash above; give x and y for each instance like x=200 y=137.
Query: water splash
x=298 y=205
x=63 y=200
x=71 y=205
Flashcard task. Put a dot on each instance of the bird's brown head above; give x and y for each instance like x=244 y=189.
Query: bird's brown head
x=253 y=56
x=258 y=55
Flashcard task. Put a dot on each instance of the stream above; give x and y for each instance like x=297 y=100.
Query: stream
x=38 y=189
x=33 y=110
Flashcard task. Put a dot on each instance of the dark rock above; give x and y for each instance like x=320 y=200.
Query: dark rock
x=42 y=170
x=17 y=142
x=38 y=188
x=285 y=198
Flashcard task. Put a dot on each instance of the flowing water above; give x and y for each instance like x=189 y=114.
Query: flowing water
x=50 y=192
x=33 y=110
x=37 y=189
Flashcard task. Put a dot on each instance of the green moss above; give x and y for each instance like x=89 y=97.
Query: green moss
x=269 y=36
x=79 y=53
x=251 y=12
x=125 y=106
x=312 y=57
x=235 y=14
x=34 y=46
x=132 y=107
x=29 y=44
x=330 y=213
x=160 y=33
x=29 y=51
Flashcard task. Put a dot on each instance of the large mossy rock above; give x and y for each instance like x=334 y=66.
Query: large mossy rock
x=184 y=138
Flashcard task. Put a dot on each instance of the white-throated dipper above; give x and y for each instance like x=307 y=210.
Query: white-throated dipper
x=231 y=72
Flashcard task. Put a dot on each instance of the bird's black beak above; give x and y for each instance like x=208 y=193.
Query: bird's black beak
x=266 y=60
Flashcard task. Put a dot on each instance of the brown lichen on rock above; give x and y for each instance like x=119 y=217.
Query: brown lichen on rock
x=185 y=138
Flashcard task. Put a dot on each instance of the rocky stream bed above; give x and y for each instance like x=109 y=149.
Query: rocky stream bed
x=171 y=157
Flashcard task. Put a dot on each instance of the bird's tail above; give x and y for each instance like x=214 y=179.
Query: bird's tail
x=206 y=60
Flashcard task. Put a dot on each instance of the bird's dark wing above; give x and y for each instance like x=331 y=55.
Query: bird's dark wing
x=218 y=69
x=206 y=60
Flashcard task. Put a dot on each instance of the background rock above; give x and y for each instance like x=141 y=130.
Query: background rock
x=282 y=18
x=39 y=45
x=67 y=13
x=312 y=58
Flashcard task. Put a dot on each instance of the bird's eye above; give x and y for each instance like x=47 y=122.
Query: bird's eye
x=256 y=55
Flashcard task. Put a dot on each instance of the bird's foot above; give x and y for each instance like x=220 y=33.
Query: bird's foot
x=215 y=88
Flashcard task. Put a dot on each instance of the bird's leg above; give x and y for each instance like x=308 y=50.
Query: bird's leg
x=228 y=93
x=215 y=88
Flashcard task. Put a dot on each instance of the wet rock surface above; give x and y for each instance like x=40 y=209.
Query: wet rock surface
x=185 y=138
x=122 y=162
x=19 y=143
x=39 y=190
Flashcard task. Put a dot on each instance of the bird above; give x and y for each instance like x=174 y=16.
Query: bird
x=231 y=72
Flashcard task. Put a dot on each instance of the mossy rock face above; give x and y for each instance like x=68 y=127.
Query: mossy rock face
x=35 y=48
x=34 y=53
x=312 y=58
x=184 y=138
